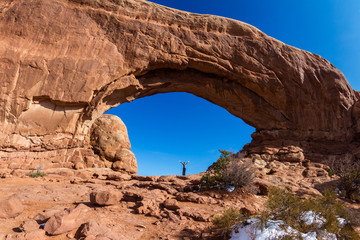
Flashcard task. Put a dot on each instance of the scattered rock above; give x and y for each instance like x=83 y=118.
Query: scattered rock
x=196 y=214
x=103 y=198
x=48 y=213
x=92 y=228
x=193 y=197
x=29 y=226
x=149 y=207
x=11 y=207
x=171 y=204
x=67 y=220
x=262 y=186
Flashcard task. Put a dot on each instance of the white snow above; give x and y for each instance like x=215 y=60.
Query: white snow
x=251 y=229
x=341 y=221
x=311 y=217
x=230 y=188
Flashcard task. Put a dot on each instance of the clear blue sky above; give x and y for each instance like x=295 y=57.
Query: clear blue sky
x=166 y=128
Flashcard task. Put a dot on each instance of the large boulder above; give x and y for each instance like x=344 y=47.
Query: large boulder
x=109 y=138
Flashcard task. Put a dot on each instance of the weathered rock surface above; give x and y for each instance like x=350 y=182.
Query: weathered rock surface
x=109 y=138
x=10 y=207
x=65 y=62
x=67 y=220
x=38 y=234
x=93 y=230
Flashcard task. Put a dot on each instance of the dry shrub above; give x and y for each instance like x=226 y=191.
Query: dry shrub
x=349 y=172
x=238 y=174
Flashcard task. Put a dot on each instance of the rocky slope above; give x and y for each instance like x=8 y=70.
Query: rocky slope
x=104 y=204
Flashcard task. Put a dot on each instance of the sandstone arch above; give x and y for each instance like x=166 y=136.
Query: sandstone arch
x=65 y=62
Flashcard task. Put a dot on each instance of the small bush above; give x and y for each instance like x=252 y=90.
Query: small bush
x=214 y=175
x=228 y=170
x=285 y=206
x=37 y=173
x=349 y=172
x=227 y=219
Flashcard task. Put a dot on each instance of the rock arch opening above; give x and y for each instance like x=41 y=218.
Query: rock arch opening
x=166 y=128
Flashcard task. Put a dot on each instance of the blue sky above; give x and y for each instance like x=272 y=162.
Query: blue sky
x=166 y=128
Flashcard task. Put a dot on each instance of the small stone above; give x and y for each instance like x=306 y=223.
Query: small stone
x=70 y=235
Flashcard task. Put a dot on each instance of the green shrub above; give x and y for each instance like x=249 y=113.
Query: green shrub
x=227 y=219
x=37 y=173
x=228 y=170
x=284 y=205
x=213 y=175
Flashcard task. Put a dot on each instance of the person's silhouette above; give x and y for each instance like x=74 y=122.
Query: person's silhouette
x=184 y=167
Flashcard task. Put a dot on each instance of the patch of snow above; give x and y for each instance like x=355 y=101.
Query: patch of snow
x=251 y=229
x=311 y=217
x=230 y=188
x=341 y=221
x=272 y=230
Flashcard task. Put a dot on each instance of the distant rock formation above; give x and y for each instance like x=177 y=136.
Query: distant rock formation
x=63 y=63
x=109 y=138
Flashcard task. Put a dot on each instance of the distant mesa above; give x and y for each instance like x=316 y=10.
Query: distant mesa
x=63 y=63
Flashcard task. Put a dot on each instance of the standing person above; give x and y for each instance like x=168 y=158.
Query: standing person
x=184 y=167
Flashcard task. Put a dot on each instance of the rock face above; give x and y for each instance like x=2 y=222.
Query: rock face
x=65 y=62
x=109 y=138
